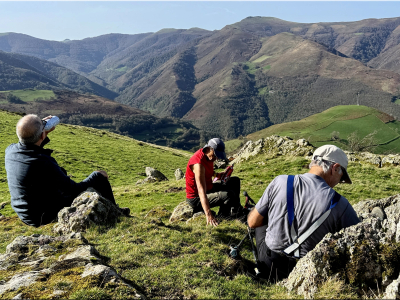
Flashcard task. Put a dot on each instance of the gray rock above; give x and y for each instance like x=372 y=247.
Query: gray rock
x=179 y=174
x=85 y=252
x=273 y=145
x=182 y=212
x=20 y=280
x=363 y=254
x=109 y=275
x=57 y=294
x=86 y=210
x=150 y=172
x=96 y=270
x=30 y=252
x=3 y=204
x=20 y=296
x=378 y=212
x=392 y=291
x=302 y=142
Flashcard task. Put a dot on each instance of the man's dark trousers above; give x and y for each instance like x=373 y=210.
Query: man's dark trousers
x=226 y=196
x=95 y=180
x=273 y=266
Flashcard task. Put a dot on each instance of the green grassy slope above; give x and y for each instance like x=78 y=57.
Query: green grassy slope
x=29 y=95
x=81 y=150
x=344 y=119
x=172 y=260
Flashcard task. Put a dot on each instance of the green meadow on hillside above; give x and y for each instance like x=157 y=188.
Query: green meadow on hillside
x=28 y=95
x=344 y=119
x=172 y=260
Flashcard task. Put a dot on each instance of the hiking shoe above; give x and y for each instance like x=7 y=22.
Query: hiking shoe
x=125 y=211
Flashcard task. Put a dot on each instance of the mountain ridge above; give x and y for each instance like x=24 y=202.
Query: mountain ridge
x=243 y=77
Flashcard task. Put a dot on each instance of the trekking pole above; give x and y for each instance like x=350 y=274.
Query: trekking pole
x=248 y=198
x=254 y=252
x=234 y=253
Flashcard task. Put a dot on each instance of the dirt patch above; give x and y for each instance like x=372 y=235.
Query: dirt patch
x=175 y=190
x=385 y=118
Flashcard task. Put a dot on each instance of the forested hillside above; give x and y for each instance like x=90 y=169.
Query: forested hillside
x=21 y=72
x=245 y=77
x=101 y=113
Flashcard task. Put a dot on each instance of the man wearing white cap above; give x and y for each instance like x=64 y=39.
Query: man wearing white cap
x=296 y=212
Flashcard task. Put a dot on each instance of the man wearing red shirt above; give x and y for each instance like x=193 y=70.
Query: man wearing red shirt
x=202 y=193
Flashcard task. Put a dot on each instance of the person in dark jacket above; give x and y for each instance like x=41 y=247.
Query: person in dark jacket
x=39 y=187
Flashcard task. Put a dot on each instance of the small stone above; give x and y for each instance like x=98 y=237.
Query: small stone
x=302 y=142
x=151 y=172
x=57 y=294
x=179 y=174
x=3 y=204
x=96 y=270
x=86 y=252
x=20 y=280
x=182 y=212
x=378 y=212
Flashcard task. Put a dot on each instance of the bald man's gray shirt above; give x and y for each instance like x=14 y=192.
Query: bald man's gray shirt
x=312 y=197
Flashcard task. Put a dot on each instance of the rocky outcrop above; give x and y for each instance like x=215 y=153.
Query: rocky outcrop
x=182 y=212
x=153 y=175
x=33 y=266
x=86 y=210
x=179 y=174
x=274 y=145
x=362 y=255
x=277 y=145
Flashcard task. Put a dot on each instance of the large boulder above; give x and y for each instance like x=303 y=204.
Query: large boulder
x=363 y=255
x=86 y=210
x=182 y=212
x=33 y=266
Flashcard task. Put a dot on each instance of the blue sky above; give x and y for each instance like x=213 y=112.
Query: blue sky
x=77 y=20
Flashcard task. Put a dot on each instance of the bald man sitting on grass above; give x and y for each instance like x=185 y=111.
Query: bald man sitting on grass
x=39 y=187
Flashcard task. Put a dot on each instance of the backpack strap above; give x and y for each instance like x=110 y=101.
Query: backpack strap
x=296 y=242
x=290 y=209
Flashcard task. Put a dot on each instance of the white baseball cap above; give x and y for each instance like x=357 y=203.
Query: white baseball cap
x=334 y=154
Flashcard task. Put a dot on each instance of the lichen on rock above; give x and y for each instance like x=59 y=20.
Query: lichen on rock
x=43 y=266
x=274 y=145
x=362 y=255
x=182 y=212
x=86 y=210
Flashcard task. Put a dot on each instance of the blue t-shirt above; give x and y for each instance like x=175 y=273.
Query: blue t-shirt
x=312 y=197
